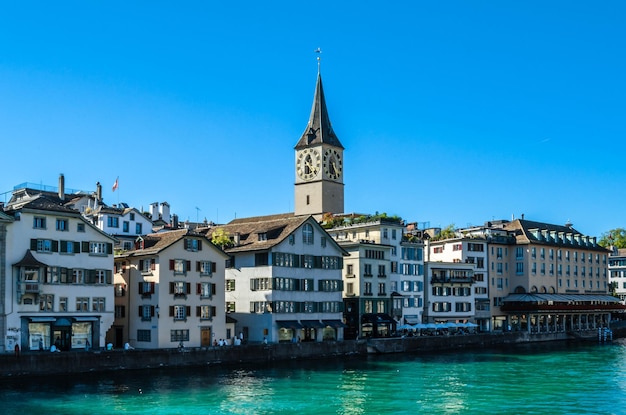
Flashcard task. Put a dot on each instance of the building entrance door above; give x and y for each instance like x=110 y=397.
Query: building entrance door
x=61 y=336
x=205 y=336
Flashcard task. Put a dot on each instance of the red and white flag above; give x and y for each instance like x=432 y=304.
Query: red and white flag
x=115 y=184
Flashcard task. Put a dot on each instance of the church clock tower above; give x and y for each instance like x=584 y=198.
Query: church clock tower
x=319 y=163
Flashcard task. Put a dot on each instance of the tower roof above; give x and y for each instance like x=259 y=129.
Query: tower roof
x=319 y=129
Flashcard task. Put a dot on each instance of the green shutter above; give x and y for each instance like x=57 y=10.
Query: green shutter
x=33 y=244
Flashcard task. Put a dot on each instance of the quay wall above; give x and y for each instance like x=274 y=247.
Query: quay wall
x=46 y=363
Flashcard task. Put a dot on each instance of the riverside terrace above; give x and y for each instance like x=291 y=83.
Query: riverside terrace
x=46 y=363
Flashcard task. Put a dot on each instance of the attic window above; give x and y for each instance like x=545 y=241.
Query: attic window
x=262 y=236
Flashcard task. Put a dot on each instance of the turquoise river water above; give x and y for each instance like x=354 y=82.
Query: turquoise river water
x=536 y=379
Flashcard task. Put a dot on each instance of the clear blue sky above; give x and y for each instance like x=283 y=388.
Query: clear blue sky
x=450 y=112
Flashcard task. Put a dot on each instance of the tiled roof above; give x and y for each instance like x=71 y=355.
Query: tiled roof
x=43 y=202
x=275 y=227
x=156 y=242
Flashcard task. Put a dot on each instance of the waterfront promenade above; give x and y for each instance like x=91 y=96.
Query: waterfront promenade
x=46 y=363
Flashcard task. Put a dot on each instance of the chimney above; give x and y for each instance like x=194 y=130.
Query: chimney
x=154 y=211
x=98 y=192
x=237 y=238
x=61 y=187
x=164 y=210
x=174 y=221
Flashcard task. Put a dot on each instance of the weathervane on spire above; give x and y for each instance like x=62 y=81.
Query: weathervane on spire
x=318 y=50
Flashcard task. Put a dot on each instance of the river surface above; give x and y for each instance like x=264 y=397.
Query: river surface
x=530 y=379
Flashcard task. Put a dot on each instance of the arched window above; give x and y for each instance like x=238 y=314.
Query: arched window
x=307 y=234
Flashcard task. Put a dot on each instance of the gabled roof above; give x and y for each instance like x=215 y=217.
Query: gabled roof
x=42 y=202
x=154 y=243
x=319 y=129
x=275 y=228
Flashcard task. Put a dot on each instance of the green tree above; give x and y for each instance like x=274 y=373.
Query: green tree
x=221 y=238
x=446 y=233
x=615 y=237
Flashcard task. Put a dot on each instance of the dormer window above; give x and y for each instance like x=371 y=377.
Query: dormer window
x=262 y=236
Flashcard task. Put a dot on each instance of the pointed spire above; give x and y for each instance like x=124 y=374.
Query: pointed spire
x=319 y=129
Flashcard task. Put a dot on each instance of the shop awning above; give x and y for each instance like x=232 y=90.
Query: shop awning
x=289 y=324
x=336 y=324
x=313 y=324
x=42 y=319
x=86 y=319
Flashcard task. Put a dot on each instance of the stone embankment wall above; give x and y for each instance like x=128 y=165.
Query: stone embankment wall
x=46 y=363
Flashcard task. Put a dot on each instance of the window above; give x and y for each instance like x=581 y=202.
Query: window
x=146 y=288
x=62 y=303
x=178 y=288
x=457 y=247
x=292 y=239
x=82 y=304
x=179 y=335
x=78 y=276
x=132 y=216
x=308 y=261
x=307 y=234
x=101 y=276
x=393 y=234
x=350 y=288
x=382 y=272
x=125 y=226
x=367 y=270
x=349 y=269
x=519 y=252
x=144 y=336
x=475 y=247
x=178 y=266
x=368 y=306
x=438 y=249
x=323 y=241
x=39 y=222
x=499 y=253
x=98 y=304
x=138 y=228
x=368 y=288
x=381 y=288
x=230 y=306
x=519 y=268
x=80 y=227
x=69 y=247
x=179 y=312
x=205 y=312
x=499 y=267
x=230 y=285
x=193 y=245
x=146 y=312
x=120 y=311
x=98 y=248
x=62 y=225
x=113 y=222
x=206 y=267
x=45 y=245
x=46 y=302
x=205 y=289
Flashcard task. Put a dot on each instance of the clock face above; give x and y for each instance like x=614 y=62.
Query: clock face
x=333 y=166
x=309 y=163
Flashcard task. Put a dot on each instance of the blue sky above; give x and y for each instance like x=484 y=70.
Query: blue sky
x=451 y=112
